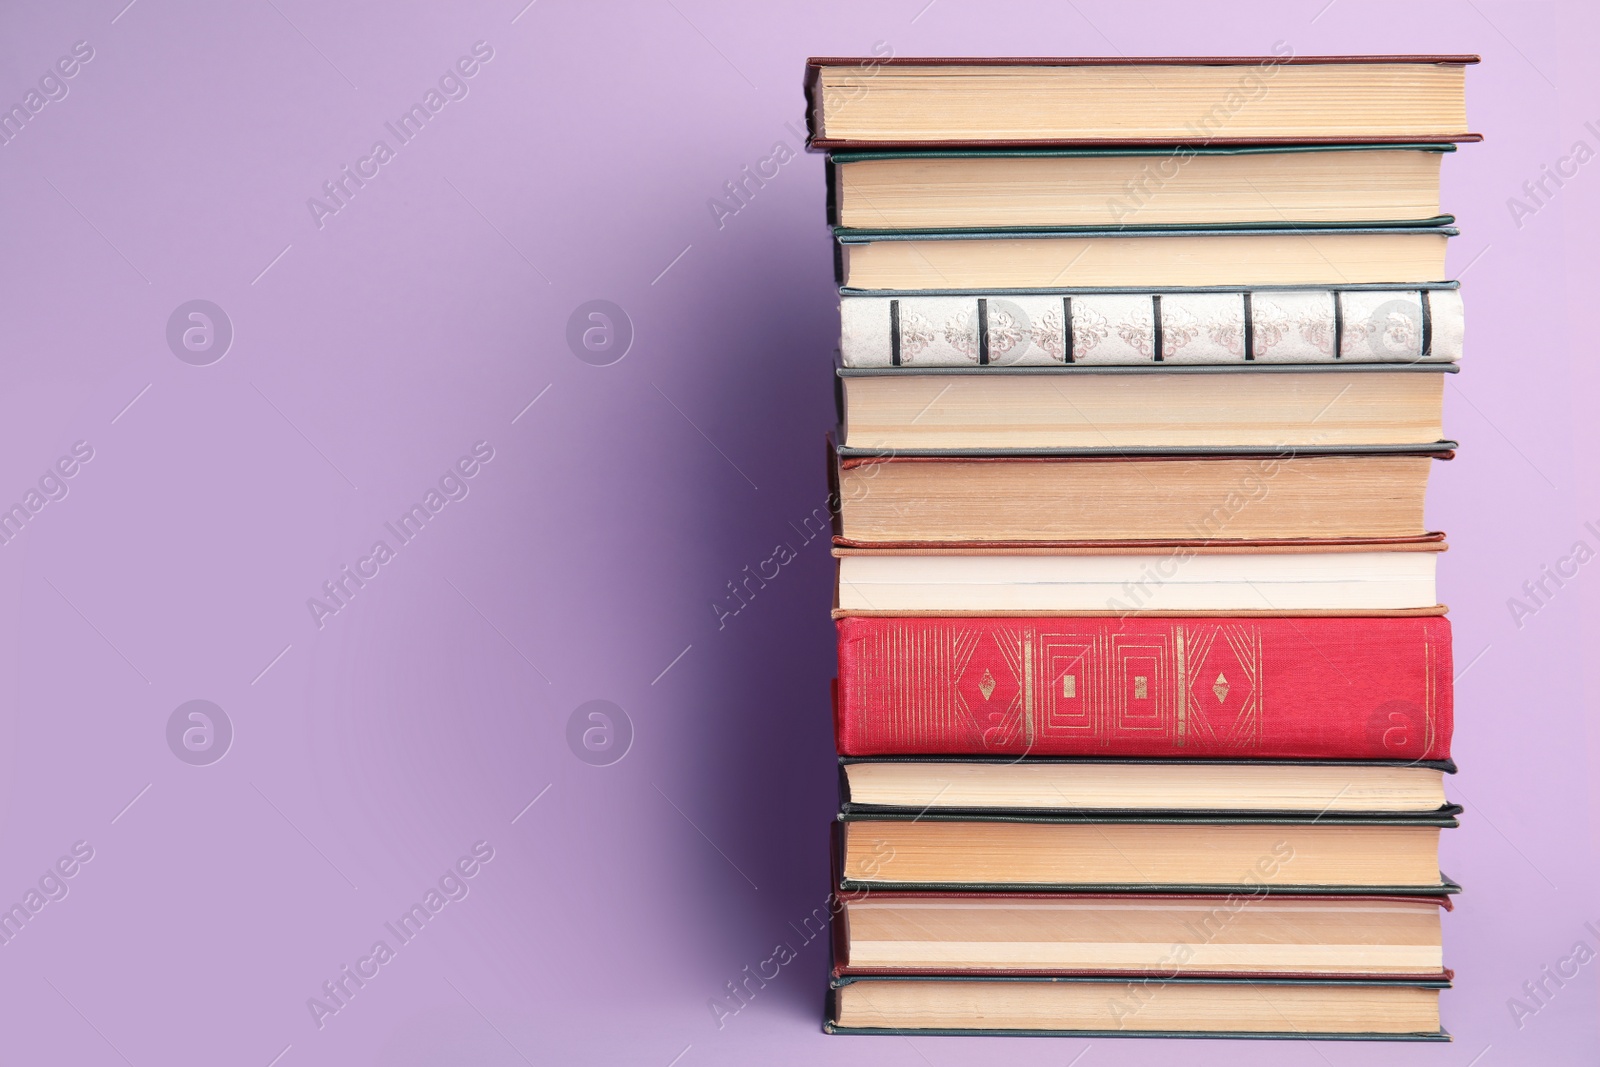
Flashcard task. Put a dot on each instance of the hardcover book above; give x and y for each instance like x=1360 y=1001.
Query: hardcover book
x=973 y=500
x=1252 y=326
x=1154 y=407
x=877 y=101
x=1063 y=786
x=1303 y=1009
x=1392 y=577
x=1000 y=189
x=1240 y=688
x=1140 y=934
x=1261 y=258
x=1165 y=852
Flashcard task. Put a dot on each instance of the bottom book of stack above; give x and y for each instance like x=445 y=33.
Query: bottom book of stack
x=1140 y=897
x=1244 y=1006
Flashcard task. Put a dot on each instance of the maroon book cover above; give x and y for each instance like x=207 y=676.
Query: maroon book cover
x=1241 y=688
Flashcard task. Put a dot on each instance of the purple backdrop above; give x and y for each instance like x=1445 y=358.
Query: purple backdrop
x=378 y=339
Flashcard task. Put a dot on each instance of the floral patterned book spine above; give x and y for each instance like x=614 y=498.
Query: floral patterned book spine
x=1129 y=329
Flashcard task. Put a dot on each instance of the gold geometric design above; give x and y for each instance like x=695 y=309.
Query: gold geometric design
x=1225 y=660
x=1072 y=706
x=1141 y=684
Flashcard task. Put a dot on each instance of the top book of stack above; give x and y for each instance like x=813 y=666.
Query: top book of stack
x=1280 y=99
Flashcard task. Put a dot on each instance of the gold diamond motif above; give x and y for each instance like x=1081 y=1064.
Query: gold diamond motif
x=1221 y=688
x=986 y=684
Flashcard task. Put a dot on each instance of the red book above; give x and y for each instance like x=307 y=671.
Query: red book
x=1268 y=688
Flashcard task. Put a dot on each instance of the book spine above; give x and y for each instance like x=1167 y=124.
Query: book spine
x=1219 y=688
x=1127 y=329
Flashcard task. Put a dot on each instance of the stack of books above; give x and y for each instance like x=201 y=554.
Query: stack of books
x=1145 y=694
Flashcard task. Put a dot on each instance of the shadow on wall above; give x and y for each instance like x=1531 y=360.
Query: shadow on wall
x=761 y=751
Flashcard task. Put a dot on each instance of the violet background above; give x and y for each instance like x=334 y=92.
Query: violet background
x=423 y=318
